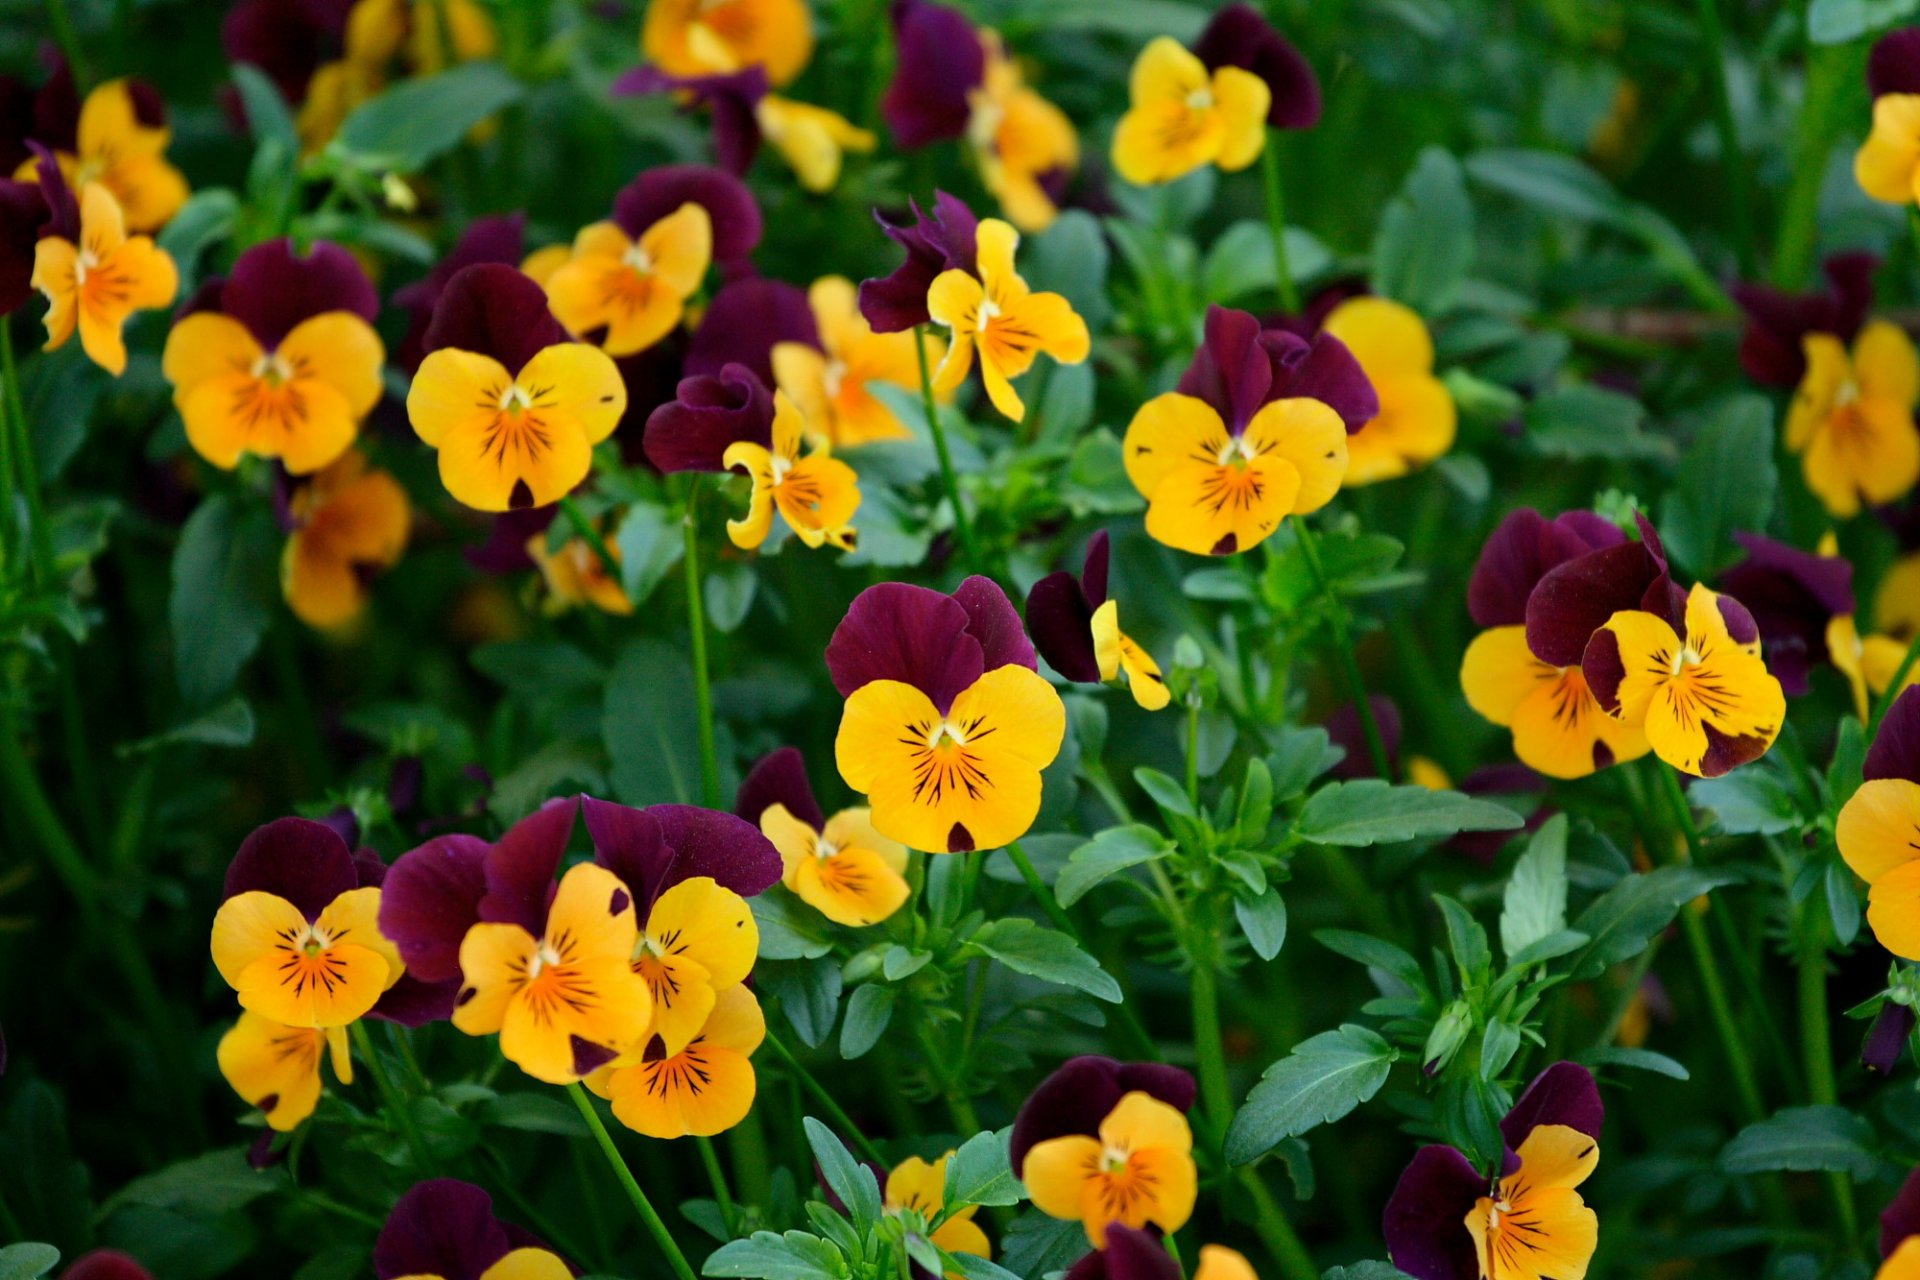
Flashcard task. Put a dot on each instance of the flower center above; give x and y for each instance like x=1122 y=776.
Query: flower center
x=781 y=467
x=946 y=735
x=83 y=262
x=1235 y=452
x=835 y=378
x=1114 y=1161
x=1200 y=99
x=1846 y=393
x=514 y=400
x=1688 y=656
x=544 y=958
x=272 y=370
x=639 y=259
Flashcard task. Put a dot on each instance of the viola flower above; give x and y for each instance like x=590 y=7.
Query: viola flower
x=1108 y=1143
x=1794 y=597
x=1184 y=116
x=511 y=403
x=1886 y=164
x=349 y=522
x=1417 y=420
x=1443 y=1222
x=1077 y=630
x=817 y=495
x=732 y=213
x=831 y=380
x=445 y=1230
x=947 y=724
x=936 y=243
x=633 y=288
x=1238 y=36
x=280 y=360
x=1875 y=829
x=1773 y=344
x=1851 y=420
x=296 y=934
x=743 y=324
x=575 y=575
x=708 y=37
x=277 y=1068
x=1558 y=726
x=811 y=139
x=1254 y=434
x=992 y=311
x=707 y=418
x=1704 y=698
x=940 y=63
x=96 y=281
x=496 y=239
x=1132 y=1255
x=839 y=866
x=120 y=142
x=918 y=1187
x=705 y=1087
x=1026 y=147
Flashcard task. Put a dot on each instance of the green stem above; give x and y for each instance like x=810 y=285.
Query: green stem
x=697 y=625
x=641 y=1205
x=1129 y=1020
x=39 y=531
x=1885 y=702
x=391 y=1097
x=1193 y=751
x=591 y=536
x=1277 y=225
x=718 y=1177
x=27 y=799
x=1816 y=1047
x=1713 y=36
x=1216 y=1094
x=1276 y=1231
x=1102 y=783
x=1343 y=650
x=842 y=1122
x=962 y=526
x=1824 y=110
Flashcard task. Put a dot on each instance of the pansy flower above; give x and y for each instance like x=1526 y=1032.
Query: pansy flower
x=1184 y=115
x=706 y=37
x=1887 y=165
x=1699 y=690
x=1875 y=831
x=1795 y=597
x=1417 y=420
x=97 y=276
x=919 y=1187
x=297 y=934
x=839 y=866
x=704 y=1087
x=1076 y=628
x=1447 y=1221
x=276 y=1067
x=816 y=495
x=511 y=403
x=280 y=360
x=1773 y=344
x=1558 y=726
x=349 y=522
x=119 y=141
x=941 y=241
x=1104 y=1142
x=1239 y=36
x=744 y=321
x=991 y=311
x=445 y=1230
x=1851 y=420
x=420 y=30
x=947 y=723
x=1900 y=1220
x=575 y=575
x=832 y=380
x=501 y=238
x=1257 y=431
x=632 y=286
x=939 y=62
x=707 y=417
x=811 y=139
x=733 y=215
x=1130 y=1254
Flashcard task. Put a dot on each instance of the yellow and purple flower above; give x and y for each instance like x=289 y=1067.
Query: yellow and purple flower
x=501 y=239
x=1852 y=418
x=350 y=522
x=117 y=139
x=627 y=283
x=831 y=380
x=711 y=37
x=708 y=416
x=813 y=140
x=1887 y=165
x=1417 y=419
x=1184 y=115
x=276 y=1067
x=936 y=243
x=990 y=312
x=1795 y=597
x=1875 y=831
x=95 y=275
x=817 y=495
x=839 y=866
x=1773 y=343
x=1076 y=628
x=445 y=1230
x=1239 y=36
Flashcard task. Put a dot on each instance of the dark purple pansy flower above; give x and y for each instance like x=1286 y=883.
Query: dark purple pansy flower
x=1345 y=731
x=1772 y=350
x=1900 y=1220
x=288 y=40
x=445 y=1228
x=1240 y=37
x=1895 y=752
x=940 y=644
x=1425 y=1218
x=731 y=208
x=1078 y=1096
x=655 y=848
x=1576 y=598
x=1792 y=595
x=63 y=207
x=732 y=98
x=1130 y=1255
x=1886 y=1040
x=505 y=550
x=938 y=62
x=1060 y=612
x=743 y=323
x=303 y=861
x=1240 y=368
x=1894 y=64
x=779 y=777
x=107 y=1264
x=493 y=310
x=23 y=214
x=50 y=114
x=1523 y=550
x=941 y=242
x=410 y=1001
x=500 y=239
x=693 y=431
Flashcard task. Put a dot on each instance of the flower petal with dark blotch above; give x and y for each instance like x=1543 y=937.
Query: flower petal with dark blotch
x=1524 y=549
x=1772 y=350
x=1061 y=618
x=1078 y=1096
x=995 y=623
x=1324 y=370
x=940 y=242
x=498 y=239
x=655 y=848
x=272 y=288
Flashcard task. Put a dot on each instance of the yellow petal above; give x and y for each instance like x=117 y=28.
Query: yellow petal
x=853 y=887
x=1893 y=910
x=703 y=920
x=1556 y=1155
x=455 y=392
x=1886 y=365
x=1885 y=164
x=1056 y=1172
x=1166 y=432
x=528 y=1264
x=273 y=1067
x=1312 y=438
x=1877 y=825
x=1241 y=99
x=341 y=350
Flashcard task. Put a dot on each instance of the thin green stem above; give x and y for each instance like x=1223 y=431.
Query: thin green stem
x=842 y=1122
x=1885 y=702
x=1343 y=651
x=716 y=1175
x=1277 y=225
x=394 y=1101
x=1734 y=175
x=1816 y=1048
x=641 y=1205
x=962 y=526
x=697 y=625
x=28 y=801
x=591 y=536
x=1276 y=1231
x=1825 y=110
x=1209 y=1050
x=39 y=532
x=1193 y=751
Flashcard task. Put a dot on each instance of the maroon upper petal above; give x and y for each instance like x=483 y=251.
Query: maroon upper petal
x=1345 y=731
x=303 y=861
x=1894 y=64
x=1901 y=1218
x=1231 y=371
x=23 y=212
x=916 y=635
x=521 y=866
x=1078 y=1096
x=1521 y=551
x=995 y=623
x=442 y=1228
x=693 y=431
x=1239 y=37
x=1575 y=599
x=494 y=310
x=500 y=239
x=1425 y=1222
x=63 y=208
x=732 y=98
x=743 y=323
x=272 y=288
x=1061 y=618
x=730 y=206
x=1130 y=1254
x=430 y=899
x=1324 y=370
x=1895 y=752
x=1566 y=1094
x=414 y=1003
x=779 y=777
x=1093 y=571
x=1792 y=594
x=1771 y=347
x=56 y=107
x=655 y=848
x=938 y=62
x=106 y=1264
x=288 y=40
x=940 y=242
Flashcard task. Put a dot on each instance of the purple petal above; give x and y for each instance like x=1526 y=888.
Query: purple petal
x=23 y=212
x=995 y=623
x=1885 y=1044
x=693 y=432
x=655 y=848
x=780 y=777
x=730 y=206
x=938 y=62
x=897 y=631
x=1521 y=551
x=1792 y=594
x=1575 y=599
x=743 y=323
x=1901 y=1218
x=494 y=310
x=732 y=98
x=1061 y=618
x=1093 y=574
x=106 y=1264
x=430 y=899
x=413 y=1003
x=1325 y=371
x=1239 y=37
x=1895 y=752
x=1894 y=64
x=1130 y=1255
x=440 y=1228
x=505 y=550
x=521 y=866
x=499 y=239
x=280 y=37
x=1565 y=1094
x=1345 y=731
x=1771 y=347
x=1425 y=1223
x=1231 y=370
x=305 y=862
x=1078 y=1096
x=271 y=288
x=63 y=208
x=895 y=303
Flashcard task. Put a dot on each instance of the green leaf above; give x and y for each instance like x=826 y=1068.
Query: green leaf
x=1071 y=258
x=1535 y=904
x=27 y=1261
x=1300 y=754
x=1726 y=482
x=1843 y=902
x=1585 y=421
x=1038 y=1245
x=1263 y=920
x=224 y=588
x=809 y=990
x=1424 y=246
x=1626 y=917
x=532 y=1113
x=651 y=543
x=1239 y=263
x=845 y=1176
x=1322 y=1080
x=1368 y=1270
x=1369 y=811
x=789 y=930
x=972 y=1266
x=1498 y=1044
x=206 y=218
x=647 y=718
x=1256 y=804
x=268 y=116
x=767 y=1255
x=1025 y=947
x=1375 y=953
x=214 y=1183
x=1751 y=801
x=1841 y=21
x=1849 y=758
x=981 y=1173
x=416 y=121
x=1108 y=853
x=228 y=725
x=1466 y=939
x=1804 y=1139
x=869 y=1010
x=1556 y=944
x=1617 y=1055
x=729 y=591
